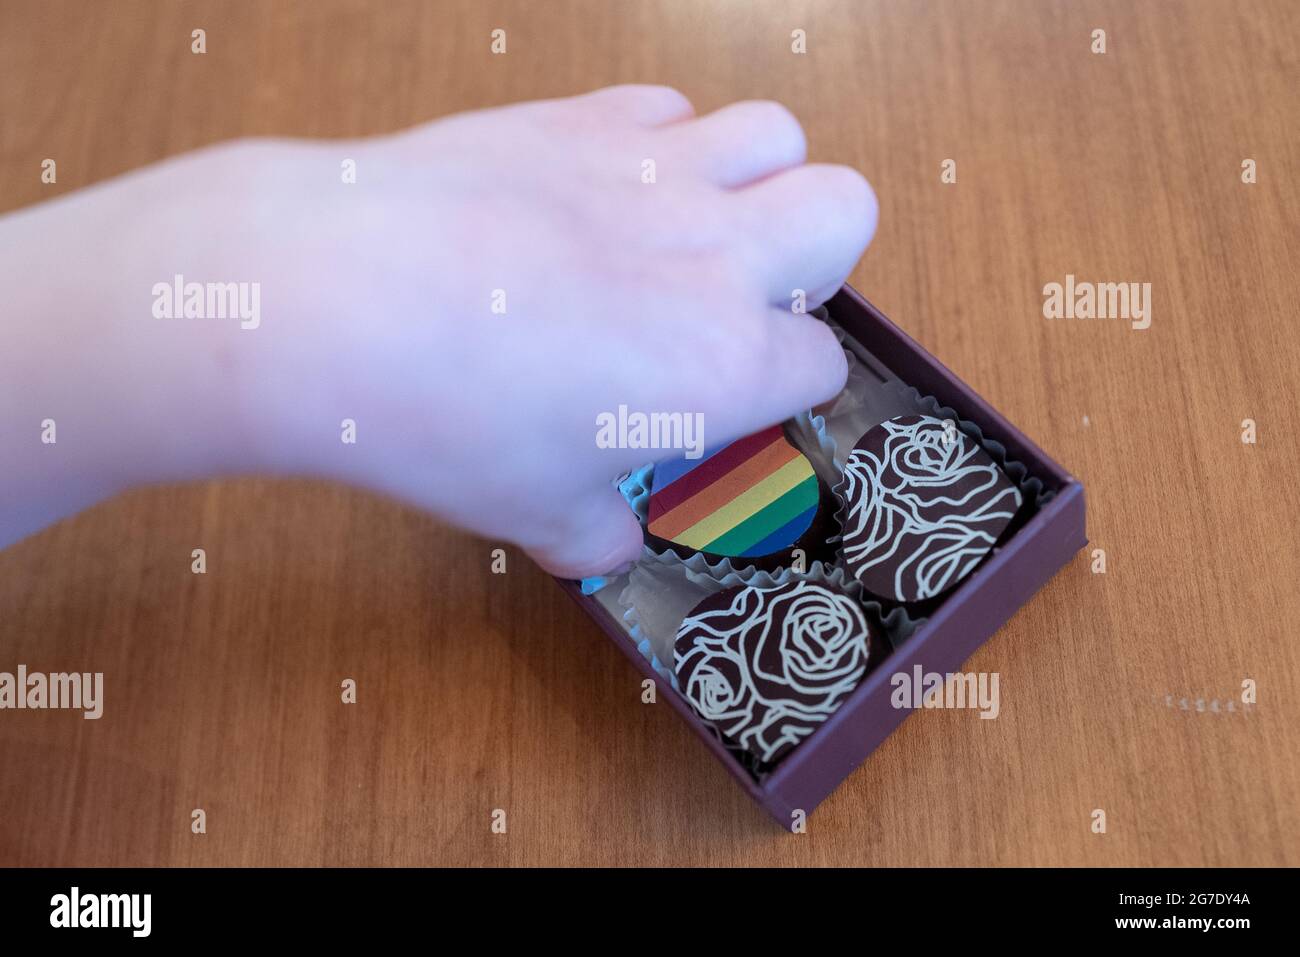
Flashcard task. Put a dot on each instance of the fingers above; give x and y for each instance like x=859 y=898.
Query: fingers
x=802 y=364
x=596 y=538
x=776 y=366
x=641 y=104
x=806 y=229
x=740 y=143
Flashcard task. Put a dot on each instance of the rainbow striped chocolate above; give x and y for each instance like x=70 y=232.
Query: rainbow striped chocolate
x=748 y=499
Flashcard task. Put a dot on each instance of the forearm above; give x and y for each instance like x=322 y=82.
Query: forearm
x=96 y=392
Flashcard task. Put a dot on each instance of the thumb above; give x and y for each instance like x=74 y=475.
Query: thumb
x=599 y=537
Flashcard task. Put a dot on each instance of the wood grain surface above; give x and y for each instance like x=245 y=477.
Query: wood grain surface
x=479 y=692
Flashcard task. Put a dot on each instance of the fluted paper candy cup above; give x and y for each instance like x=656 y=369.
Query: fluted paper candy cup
x=661 y=590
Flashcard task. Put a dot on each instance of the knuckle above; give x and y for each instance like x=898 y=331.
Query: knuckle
x=670 y=98
x=847 y=193
x=776 y=121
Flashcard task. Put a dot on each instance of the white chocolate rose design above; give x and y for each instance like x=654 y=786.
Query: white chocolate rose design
x=769 y=665
x=926 y=505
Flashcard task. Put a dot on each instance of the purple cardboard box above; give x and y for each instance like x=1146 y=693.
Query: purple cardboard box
x=964 y=621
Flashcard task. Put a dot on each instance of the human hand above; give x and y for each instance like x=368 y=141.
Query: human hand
x=671 y=296
x=378 y=296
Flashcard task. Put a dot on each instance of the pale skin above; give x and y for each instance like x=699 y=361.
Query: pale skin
x=376 y=305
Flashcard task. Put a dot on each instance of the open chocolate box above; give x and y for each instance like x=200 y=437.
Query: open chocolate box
x=951 y=628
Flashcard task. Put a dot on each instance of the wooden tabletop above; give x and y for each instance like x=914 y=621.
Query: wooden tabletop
x=479 y=692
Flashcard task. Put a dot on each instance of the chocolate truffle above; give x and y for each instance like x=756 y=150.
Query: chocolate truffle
x=766 y=666
x=924 y=505
x=756 y=498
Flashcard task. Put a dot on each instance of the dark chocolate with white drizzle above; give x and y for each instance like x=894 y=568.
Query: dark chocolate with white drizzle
x=925 y=504
x=766 y=666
